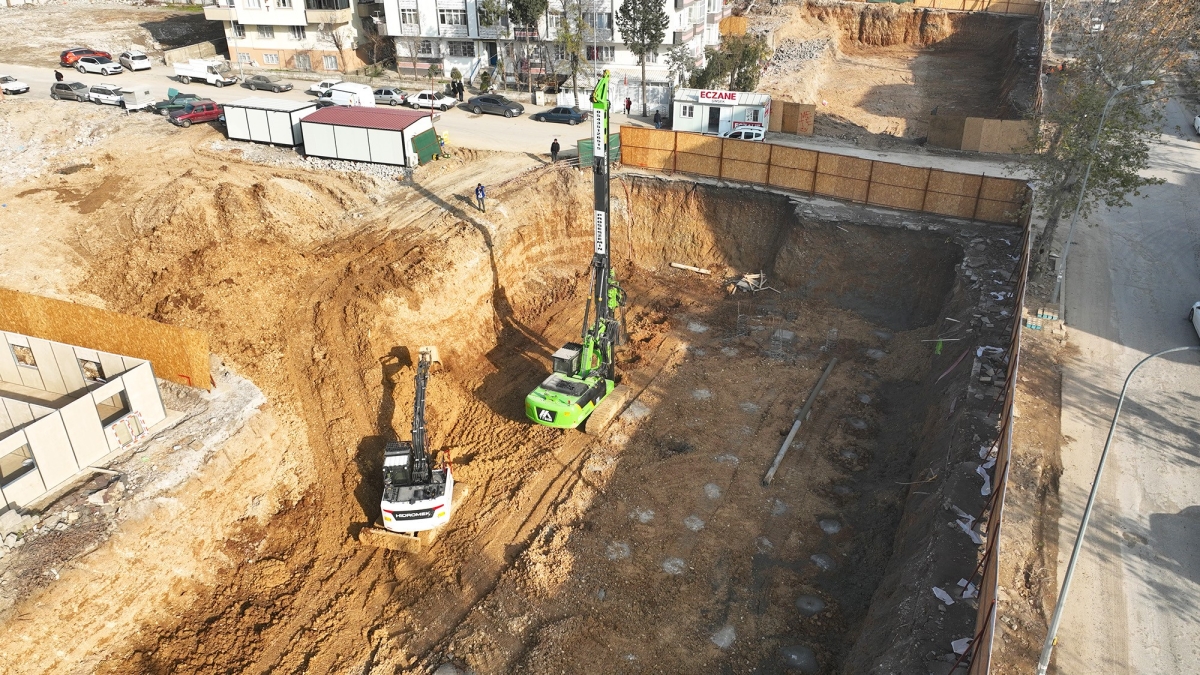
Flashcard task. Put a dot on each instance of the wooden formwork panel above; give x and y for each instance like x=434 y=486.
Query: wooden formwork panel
x=177 y=354
x=792 y=179
x=751 y=172
x=1002 y=190
x=747 y=151
x=840 y=187
x=950 y=205
x=654 y=139
x=662 y=160
x=844 y=167
x=697 y=144
x=951 y=183
x=700 y=164
x=911 y=199
x=998 y=212
x=794 y=158
x=899 y=175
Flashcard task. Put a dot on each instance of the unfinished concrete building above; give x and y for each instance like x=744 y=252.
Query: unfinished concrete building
x=64 y=408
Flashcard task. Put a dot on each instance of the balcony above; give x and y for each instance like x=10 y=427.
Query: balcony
x=220 y=12
x=493 y=32
x=327 y=11
x=449 y=30
x=409 y=29
x=680 y=4
x=682 y=36
x=369 y=7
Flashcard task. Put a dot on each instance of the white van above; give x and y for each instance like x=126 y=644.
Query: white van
x=349 y=93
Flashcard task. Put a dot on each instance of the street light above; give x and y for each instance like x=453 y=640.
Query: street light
x=1052 y=634
x=1062 y=263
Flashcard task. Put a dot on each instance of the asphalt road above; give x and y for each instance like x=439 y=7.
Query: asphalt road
x=1133 y=273
x=482 y=132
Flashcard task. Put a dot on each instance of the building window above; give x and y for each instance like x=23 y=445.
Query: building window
x=598 y=20
x=330 y=62
x=284 y=4
x=452 y=17
x=253 y=4
x=16 y=464
x=714 y=6
x=554 y=21
x=244 y=58
x=298 y=33
x=112 y=408
x=558 y=52
x=686 y=110
x=92 y=372
x=462 y=49
x=752 y=115
x=239 y=31
x=600 y=53
x=266 y=31
x=408 y=15
x=425 y=49
x=303 y=62
x=271 y=59
x=24 y=356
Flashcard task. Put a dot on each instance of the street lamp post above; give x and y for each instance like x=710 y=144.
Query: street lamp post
x=1052 y=633
x=1062 y=263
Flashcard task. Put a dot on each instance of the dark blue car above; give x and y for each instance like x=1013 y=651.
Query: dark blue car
x=562 y=114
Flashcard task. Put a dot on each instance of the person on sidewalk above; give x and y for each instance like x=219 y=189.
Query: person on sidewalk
x=628 y=105
x=480 y=194
x=58 y=76
x=554 y=148
x=657 y=120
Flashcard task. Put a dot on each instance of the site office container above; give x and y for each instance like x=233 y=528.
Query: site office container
x=377 y=135
x=267 y=120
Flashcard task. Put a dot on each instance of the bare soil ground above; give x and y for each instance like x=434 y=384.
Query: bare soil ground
x=650 y=548
x=877 y=79
x=34 y=35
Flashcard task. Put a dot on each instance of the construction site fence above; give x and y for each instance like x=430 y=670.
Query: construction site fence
x=988 y=569
x=1026 y=7
x=854 y=179
x=177 y=354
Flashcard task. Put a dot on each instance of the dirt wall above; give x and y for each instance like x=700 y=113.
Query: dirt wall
x=887 y=24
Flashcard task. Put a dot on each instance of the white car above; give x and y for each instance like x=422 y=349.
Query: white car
x=1194 y=317
x=321 y=87
x=431 y=99
x=134 y=60
x=12 y=85
x=98 y=64
x=106 y=93
x=745 y=133
x=1196 y=123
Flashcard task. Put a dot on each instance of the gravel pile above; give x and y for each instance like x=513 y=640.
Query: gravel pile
x=790 y=51
x=276 y=156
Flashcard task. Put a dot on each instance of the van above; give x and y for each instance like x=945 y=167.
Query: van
x=349 y=93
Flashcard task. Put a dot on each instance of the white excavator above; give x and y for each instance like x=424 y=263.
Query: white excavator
x=417 y=498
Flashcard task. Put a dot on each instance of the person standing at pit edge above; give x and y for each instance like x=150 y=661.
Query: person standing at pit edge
x=554 y=148
x=480 y=194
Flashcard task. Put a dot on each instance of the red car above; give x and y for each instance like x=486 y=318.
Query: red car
x=200 y=110
x=70 y=56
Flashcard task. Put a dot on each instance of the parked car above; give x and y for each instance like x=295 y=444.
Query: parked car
x=175 y=100
x=199 y=110
x=272 y=82
x=69 y=91
x=70 y=56
x=98 y=64
x=745 y=133
x=134 y=61
x=431 y=99
x=213 y=71
x=495 y=104
x=106 y=93
x=561 y=114
x=1194 y=317
x=350 y=93
x=390 y=96
x=1196 y=123
x=12 y=85
x=321 y=87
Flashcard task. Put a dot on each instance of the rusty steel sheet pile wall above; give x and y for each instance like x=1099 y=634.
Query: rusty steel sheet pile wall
x=177 y=354
x=865 y=181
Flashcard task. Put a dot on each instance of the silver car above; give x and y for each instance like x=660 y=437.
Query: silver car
x=106 y=93
x=98 y=64
x=134 y=61
x=390 y=96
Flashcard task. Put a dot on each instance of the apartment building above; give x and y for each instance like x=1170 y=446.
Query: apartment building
x=451 y=34
x=309 y=35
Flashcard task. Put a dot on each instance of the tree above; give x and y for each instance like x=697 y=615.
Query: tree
x=643 y=25
x=527 y=13
x=680 y=64
x=490 y=12
x=333 y=35
x=1138 y=42
x=412 y=44
x=745 y=55
x=571 y=39
x=716 y=69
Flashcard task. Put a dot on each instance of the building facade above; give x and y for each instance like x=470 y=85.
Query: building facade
x=455 y=34
x=306 y=35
